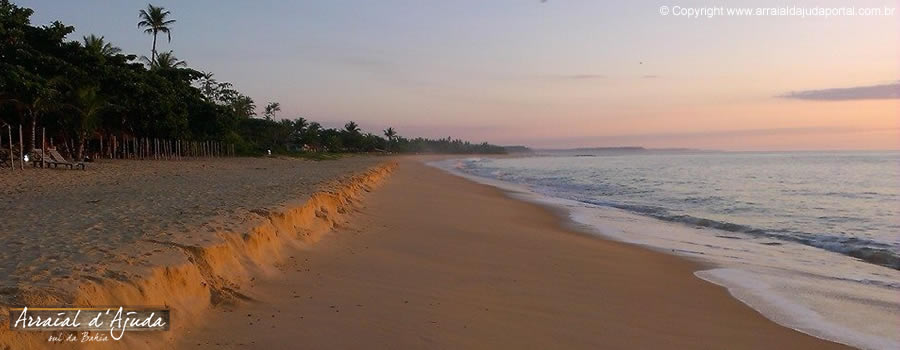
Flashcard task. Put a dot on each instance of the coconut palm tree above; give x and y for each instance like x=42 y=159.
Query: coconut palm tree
x=300 y=124
x=243 y=106
x=36 y=102
x=270 y=110
x=164 y=60
x=311 y=136
x=88 y=104
x=155 y=20
x=298 y=127
x=350 y=137
x=351 y=127
x=208 y=86
x=390 y=133
x=98 y=46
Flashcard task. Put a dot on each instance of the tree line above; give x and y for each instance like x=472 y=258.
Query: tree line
x=81 y=91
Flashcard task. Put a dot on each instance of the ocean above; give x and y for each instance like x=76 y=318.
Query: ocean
x=809 y=239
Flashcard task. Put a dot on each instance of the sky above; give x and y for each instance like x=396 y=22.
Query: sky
x=551 y=74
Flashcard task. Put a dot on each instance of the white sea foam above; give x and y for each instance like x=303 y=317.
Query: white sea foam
x=821 y=293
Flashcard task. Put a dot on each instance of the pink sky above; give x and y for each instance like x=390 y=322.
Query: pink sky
x=574 y=73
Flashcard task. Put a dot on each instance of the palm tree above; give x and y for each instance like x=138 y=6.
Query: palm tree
x=351 y=138
x=208 y=86
x=299 y=130
x=270 y=110
x=390 y=133
x=300 y=124
x=155 y=20
x=98 y=46
x=88 y=104
x=351 y=127
x=311 y=136
x=243 y=106
x=164 y=60
x=37 y=102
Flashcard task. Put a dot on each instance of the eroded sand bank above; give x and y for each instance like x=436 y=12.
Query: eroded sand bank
x=435 y=261
x=180 y=234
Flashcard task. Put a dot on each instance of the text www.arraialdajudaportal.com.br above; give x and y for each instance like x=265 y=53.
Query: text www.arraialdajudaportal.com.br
x=784 y=11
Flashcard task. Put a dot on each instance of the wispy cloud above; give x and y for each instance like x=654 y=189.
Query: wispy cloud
x=675 y=138
x=583 y=76
x=872 y=92
x=592 y=76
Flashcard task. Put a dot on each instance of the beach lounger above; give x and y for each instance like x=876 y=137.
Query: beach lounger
x=55 y=159
x=35 y=157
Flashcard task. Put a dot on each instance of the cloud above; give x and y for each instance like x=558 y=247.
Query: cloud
x=583 y=76
x=591 y=76
x=680 y=137
x=873 y=92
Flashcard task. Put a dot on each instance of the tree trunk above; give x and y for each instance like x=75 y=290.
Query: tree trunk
x=66 y=148
x=33 y=130
x=153 y=52
x=80 y=147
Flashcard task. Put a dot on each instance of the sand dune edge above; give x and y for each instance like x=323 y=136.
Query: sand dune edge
x=205 y=274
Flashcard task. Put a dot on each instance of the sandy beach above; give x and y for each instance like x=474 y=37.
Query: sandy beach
x=186 y=234
x=462 y=175
x=431 y=260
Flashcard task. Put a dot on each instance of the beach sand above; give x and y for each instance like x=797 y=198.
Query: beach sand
x=184 y=235
x=431 y=260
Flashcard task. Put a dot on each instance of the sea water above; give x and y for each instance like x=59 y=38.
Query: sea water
x=809 y=239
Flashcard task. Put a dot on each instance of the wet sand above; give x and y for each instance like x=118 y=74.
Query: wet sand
x=431 y=260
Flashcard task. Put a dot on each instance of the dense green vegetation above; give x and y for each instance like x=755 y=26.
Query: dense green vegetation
x=81 y=91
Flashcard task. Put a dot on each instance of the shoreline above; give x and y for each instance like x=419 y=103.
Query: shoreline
x=759 y=287
x=193 y=279
x=494 y=271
